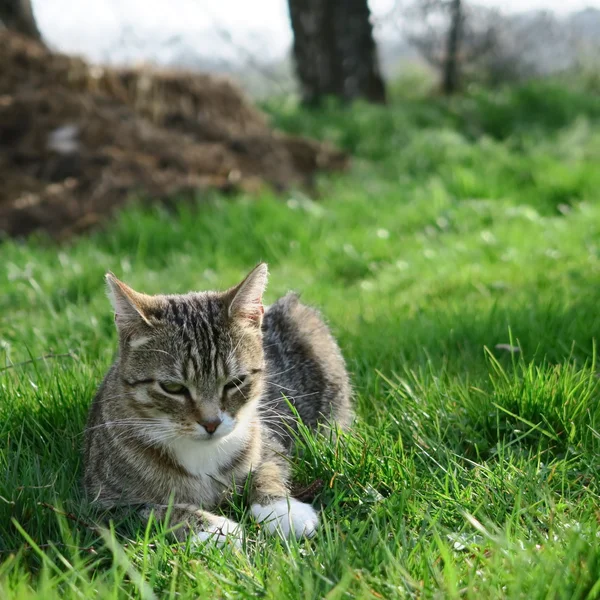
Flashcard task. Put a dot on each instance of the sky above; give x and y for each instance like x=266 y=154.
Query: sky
x=96 y=28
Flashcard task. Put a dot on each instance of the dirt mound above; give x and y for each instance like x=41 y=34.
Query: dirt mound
x=77 y=140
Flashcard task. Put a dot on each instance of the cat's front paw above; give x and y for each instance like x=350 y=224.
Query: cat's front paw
x=288 y=517
x=219 y=531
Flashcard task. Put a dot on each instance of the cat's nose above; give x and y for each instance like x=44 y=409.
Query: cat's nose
x=211 y=425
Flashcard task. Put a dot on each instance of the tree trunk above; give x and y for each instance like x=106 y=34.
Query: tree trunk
x=18 y=16
x=451 y=80
x=334 y=50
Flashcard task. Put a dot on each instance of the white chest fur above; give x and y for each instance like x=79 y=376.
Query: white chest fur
x=205 y=457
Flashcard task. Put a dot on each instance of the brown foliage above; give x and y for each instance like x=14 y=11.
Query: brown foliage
x=77 y=140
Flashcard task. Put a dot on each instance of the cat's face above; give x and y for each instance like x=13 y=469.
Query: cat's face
x=192 y=365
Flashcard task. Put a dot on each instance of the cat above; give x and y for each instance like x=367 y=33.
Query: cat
x=197 y=406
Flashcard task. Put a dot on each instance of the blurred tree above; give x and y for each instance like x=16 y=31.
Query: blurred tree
x=466 y=42
x=18 y=15
x=436 y=29
x=451 y=78
x=334 y=50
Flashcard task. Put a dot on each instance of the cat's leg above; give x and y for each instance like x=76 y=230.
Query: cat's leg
x=203 y=526
x=273 y=507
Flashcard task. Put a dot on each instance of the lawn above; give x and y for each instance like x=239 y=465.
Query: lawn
x=458 y=263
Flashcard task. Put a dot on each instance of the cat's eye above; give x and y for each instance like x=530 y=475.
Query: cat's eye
x=236 y=383
x=173 y=388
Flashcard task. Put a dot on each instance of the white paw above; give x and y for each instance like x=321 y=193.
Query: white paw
x=221 y=531
x=288 y=517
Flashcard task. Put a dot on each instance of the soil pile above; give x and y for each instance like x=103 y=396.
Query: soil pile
x=77 y=140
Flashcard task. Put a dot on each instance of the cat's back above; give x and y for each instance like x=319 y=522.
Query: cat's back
x=304 y=364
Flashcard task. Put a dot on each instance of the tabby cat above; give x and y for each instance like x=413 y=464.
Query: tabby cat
x=197 y=405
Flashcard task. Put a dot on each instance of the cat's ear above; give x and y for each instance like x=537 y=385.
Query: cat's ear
x=245 y=299
x=131 y=308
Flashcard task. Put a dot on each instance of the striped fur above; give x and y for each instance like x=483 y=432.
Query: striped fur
x=189 y=363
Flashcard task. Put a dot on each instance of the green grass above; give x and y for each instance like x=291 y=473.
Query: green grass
x=472 y=471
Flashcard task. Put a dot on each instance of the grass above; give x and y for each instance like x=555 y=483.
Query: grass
x=472 y=470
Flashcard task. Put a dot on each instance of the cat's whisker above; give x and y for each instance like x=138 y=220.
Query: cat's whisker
x=278 y=423
x=139 y=433
x=280 y=386
x=161 y=435
x=266 y=346
x=132 y=420
x=271 y=420
x=142 y=424
x=295 y=397
x=239 y=390
x=276 y=427
x=273 y=414
x=282 y=372
x=122 y=423
x=276 y=404
x=276 y=413
x=152 y=441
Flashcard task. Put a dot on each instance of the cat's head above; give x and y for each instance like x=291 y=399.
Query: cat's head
x=192 y=363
